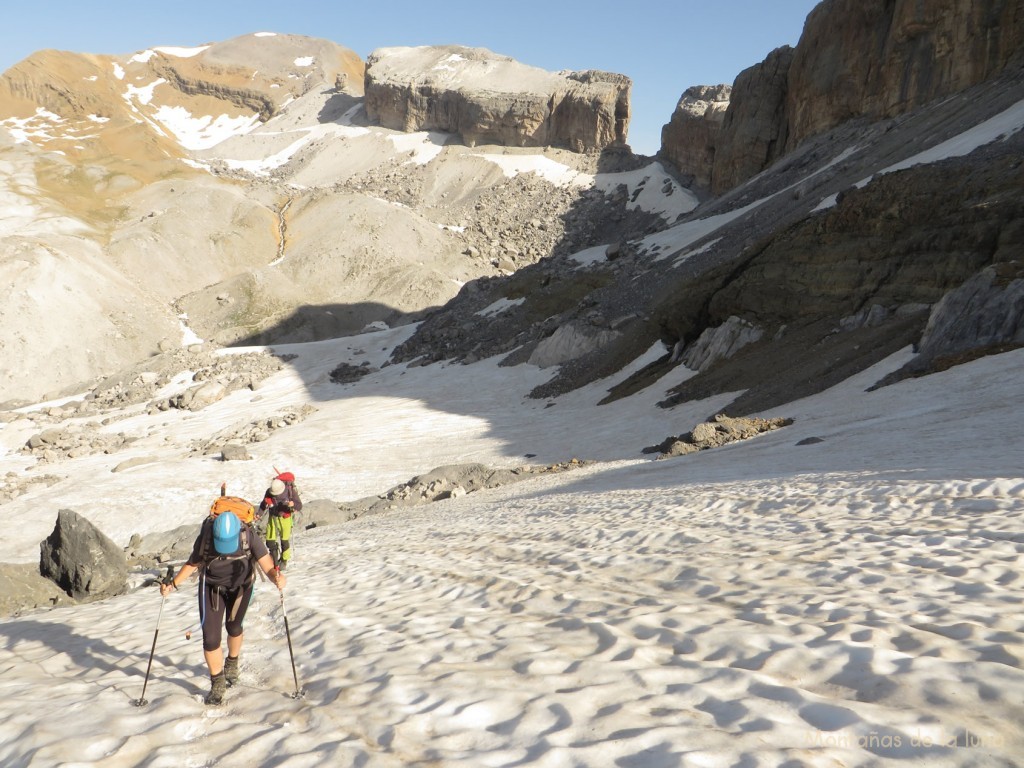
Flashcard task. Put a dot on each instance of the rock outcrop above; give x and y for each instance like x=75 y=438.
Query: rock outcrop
x=491 y=99
x=880 y=58
x=81 y=559
x=689 y=139
x=872 y=59
x=828 y=261
x=984 y=315
x=753 y=133
x=23 y=588
x=715 y=433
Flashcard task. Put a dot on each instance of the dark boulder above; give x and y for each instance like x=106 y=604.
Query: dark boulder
x=81 y=559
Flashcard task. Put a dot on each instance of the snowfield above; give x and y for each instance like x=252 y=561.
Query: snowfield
x=856 y=601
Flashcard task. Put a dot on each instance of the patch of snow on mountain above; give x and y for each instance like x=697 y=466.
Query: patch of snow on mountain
x=670 y=241
x=650 y=189
x=36 y=127
x=202 y=132
x=181 y=53
x=143 y=57
x=422 y=146
x=499 y=306
x=143 y=95
x=555 y=172
x=588 y=256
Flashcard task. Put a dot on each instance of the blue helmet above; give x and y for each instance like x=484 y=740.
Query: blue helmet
x=225 y=533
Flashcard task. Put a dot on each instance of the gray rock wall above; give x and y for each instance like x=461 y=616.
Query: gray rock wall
x=871 y=59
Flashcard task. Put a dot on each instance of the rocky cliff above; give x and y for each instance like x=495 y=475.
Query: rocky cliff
x=871 y=59
x=492 y=99
x=689 y=139
x=836 y=256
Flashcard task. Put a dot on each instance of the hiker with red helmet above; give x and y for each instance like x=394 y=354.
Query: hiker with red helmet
x=280 y=503
x=226 y=553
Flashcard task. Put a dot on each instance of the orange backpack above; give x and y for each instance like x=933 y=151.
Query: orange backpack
x=243 y=510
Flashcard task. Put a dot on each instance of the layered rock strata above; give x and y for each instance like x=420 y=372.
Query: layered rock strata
x=491 y=99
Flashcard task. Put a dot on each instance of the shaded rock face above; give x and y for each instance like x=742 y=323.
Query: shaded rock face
x=880 y=58
x=833 y=266
x=985 y=315
x=987 y=309
x=688 y=141
x=492 y=99
x=753 y=132
x=872 y=59
x=81 y=559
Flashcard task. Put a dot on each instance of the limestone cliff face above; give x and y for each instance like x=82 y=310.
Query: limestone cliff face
x=879 y=58
x=492 y=99
x=754 y=129
x=689 y=138
x=874 y=59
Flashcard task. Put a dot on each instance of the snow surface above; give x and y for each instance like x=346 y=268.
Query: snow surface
x=852 y=602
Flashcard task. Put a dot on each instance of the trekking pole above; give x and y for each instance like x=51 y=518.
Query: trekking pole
x=142 y=699
x=298 y=693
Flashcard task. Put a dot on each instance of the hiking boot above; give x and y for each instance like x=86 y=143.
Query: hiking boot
x=231 y=670
x=218 y=686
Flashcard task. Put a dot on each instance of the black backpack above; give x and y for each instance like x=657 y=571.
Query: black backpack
x=228 y=571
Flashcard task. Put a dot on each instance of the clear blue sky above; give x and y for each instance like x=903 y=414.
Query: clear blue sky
x=664 y=46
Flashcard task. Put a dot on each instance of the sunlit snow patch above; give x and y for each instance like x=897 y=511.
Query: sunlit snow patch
x=188 y=336
x=265 y=165
x=181 y=53
x=35 y=127
x=555 y=172
x=650 y=189
x=1002 y=126
x=677 y=237
x=423 y=146
x=143 y=95
x=202 y=132
x=444 y=65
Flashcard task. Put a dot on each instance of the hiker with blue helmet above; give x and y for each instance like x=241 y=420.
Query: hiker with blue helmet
x=225 y=553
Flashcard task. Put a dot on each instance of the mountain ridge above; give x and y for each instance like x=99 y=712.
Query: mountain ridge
x=435 y=226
